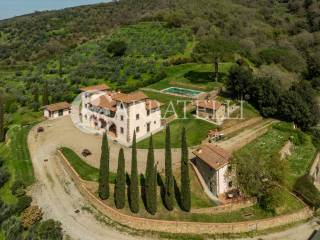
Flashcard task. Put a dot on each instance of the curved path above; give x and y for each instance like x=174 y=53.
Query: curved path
x=56 y=194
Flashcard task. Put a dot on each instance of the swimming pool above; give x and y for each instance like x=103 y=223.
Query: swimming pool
x=182 y=91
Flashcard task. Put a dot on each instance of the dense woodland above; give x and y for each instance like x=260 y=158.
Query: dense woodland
x=56 y=51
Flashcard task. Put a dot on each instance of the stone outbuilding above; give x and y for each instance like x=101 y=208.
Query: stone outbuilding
x=57 y=110
x=213 y=163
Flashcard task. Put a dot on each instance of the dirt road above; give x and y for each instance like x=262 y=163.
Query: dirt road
x=56 y=194
x=235 y=143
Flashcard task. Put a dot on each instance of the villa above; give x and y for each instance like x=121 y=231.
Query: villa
x=211 y=110
x=57 y=110
x=120 y=114
x=213 y=163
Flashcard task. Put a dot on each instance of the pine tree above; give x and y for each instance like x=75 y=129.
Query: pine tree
x=149 y=181
x=169 y=184
x=185 y=181
x=120 y=187
x=104 y=169
x=45 y=97
x=134 y=181
x=2 y=131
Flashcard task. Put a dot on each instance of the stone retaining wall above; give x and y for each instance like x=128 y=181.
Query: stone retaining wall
x=177 y=226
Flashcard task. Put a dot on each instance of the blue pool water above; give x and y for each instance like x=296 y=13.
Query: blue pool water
x=12 y=8
x=182 y=91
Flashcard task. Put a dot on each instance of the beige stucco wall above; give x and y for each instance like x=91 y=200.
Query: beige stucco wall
x=55 y=114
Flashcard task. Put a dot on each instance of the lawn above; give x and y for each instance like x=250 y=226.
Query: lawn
x=272 y=142
x=18 y=161
x=196 y=129
x=177 y=77
x=170 y=103
x=85 y=171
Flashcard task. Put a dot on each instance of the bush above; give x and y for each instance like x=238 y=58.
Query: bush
x=12 y=229
x=31 y=216
x=117 y=48
x=23 y=203
x=4 y=176
x=305 y=188
x=17 y=186
x=5 y=211
x=49 y=230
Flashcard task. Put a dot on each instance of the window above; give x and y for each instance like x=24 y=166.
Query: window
x=148 y=127
x=60 y=113
x=155 y=122
x=137 y=117
x=137 y=129
x=121 y=105
x=121 y=117
x=121 y=130
x=148 y=112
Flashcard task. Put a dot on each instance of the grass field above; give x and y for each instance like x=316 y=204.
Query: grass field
x=170 y=103
x=17 y=160
x=176 y=76
x=273 y=141
x=85 y=171
x=196 y=130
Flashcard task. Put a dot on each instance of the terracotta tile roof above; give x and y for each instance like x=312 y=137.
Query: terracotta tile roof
x=58 y=106
x=152 y=104
x=209 y=104
x=104 y=102
x=130 y=97
x=101 y=87
x=212 y=155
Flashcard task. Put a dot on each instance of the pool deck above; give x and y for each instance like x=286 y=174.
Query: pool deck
x=195 y=96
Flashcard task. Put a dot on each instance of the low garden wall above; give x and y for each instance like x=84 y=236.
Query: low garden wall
x=177 y=226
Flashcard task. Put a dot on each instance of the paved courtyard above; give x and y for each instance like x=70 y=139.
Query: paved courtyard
x=61 y=132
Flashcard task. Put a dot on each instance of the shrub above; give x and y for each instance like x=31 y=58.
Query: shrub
x=31 y=216
x=17 y=186
x=4 y=176
x=12 y=229
x=5 y=211
x=117 y=48
x=23 y=203
x=49 y=230
x=305 y=188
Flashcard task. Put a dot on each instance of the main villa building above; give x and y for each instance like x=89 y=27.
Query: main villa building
x=119 y=114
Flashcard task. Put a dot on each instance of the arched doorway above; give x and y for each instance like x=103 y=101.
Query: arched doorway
x=112 y=130
x=103 y=123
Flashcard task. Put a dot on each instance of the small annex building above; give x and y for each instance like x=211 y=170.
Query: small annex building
x=211 y=109
x=213 y=163
x=57 y=110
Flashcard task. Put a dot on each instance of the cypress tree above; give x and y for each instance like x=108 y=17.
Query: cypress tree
x=185 y=181
x=120 y=187
x=134 y=181
x=149 y=181
x=45 y=97
x=2 y=131
x=104 y=169
x=169 y=184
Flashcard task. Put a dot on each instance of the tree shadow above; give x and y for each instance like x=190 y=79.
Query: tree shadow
x=199 y=77
x=177 y=192
x=162 y=188
x=143 y=190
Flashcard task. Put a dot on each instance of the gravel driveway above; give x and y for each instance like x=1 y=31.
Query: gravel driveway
x=56 y=194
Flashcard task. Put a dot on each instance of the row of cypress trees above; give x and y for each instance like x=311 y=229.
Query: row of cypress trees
x=150 y=186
